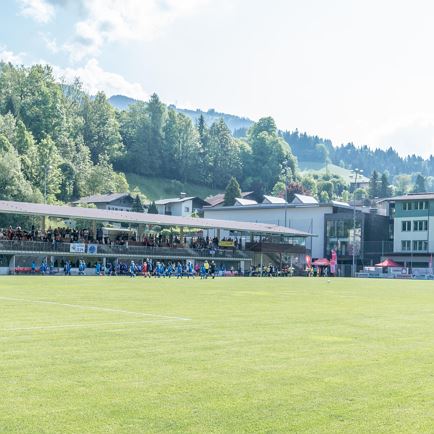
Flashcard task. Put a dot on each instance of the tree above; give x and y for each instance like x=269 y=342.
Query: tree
x=232 y=192
x=224 y=154
x=153 y=208
x=403 y=183
x=268 y=153
x=384 y=186
x=137 y=205
x=294 y=188
x=360 y=193
x=324 y=197
x=326 y=186
x=101 y=128
x=419 y=186
x=374 y=185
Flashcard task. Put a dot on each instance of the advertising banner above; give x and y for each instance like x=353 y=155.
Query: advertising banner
x=92 y=249
x=77 y=248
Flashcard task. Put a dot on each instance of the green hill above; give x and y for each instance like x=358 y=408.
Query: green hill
x=319 y=168
x=233 y=122
x=161 y=188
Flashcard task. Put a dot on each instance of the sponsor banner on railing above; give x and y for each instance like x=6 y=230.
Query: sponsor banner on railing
x=77 y=248
x=225 y=243
x=92 y=249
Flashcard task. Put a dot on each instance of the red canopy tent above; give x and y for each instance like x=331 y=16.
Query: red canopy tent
x=323 y=262
x=387 y=263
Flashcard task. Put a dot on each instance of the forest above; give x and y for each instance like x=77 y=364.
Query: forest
x=59 y=144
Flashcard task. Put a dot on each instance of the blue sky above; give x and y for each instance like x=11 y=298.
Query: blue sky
x=348 y=70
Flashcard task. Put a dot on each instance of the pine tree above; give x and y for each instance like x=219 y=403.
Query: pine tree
x=232 y=192
x=373 y=185
x=152 y=208
x=384 y=186
x=419 y=186
x=137 y=205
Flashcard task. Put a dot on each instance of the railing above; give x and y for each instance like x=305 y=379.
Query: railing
x=56 y=248
x=266 y=247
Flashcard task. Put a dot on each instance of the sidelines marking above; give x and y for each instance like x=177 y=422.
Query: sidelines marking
x=162 y=321
x=104 y=309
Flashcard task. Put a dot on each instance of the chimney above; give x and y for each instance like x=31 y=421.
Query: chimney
x=182 y=195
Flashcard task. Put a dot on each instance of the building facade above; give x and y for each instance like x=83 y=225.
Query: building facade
x=181 y=206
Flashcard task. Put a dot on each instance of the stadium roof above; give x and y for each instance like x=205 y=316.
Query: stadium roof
x=37 y=209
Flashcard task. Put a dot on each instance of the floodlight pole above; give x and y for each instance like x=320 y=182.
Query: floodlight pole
x=286 y=191
x=356 y=172
x=46 y=169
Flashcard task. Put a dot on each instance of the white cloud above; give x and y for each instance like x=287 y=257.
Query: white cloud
x=95 y=79
x=50 y=42
x=39 y=10
x=9 y=56
x=126 y=20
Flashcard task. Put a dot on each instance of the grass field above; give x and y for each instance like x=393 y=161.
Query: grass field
x=114 y=355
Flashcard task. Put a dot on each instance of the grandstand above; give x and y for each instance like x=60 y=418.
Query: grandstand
x=100 y=235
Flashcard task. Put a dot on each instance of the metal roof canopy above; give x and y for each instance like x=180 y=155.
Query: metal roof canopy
x=37 y=209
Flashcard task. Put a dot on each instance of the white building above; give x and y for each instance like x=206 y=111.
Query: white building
x=307 y=217
x=182 y=206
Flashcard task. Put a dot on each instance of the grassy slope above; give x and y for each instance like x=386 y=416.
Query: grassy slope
x=161 y=188
x=270 y=355
x=333 y=169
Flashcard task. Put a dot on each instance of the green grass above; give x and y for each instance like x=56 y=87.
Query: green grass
x=162 y=188
x=315 y=167
x=256 y=356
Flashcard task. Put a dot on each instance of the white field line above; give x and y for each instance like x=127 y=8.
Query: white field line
x=90 y=325
x=103 y=309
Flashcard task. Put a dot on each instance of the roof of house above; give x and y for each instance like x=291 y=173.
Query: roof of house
x=102 y=198
x=243 y=202
x=38 y=209
x=302 y=198
x=173 y=200
x=218 y=199
x=179 y=200
x=273 y=199
x=409 y=196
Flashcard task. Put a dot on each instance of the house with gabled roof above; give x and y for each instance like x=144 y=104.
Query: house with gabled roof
x=110 y=201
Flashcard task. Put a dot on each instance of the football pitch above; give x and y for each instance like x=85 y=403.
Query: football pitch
x=230 y=355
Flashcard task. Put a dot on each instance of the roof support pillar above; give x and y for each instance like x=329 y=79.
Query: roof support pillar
x=44 y=223
x=181 y=235
x=94 y=230
x=140 y=232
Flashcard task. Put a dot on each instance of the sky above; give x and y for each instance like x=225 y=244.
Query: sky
x=358 y=71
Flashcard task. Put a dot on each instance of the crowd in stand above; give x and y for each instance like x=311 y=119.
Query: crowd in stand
x=69 y=235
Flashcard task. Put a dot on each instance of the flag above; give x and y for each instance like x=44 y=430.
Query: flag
x=308 y=261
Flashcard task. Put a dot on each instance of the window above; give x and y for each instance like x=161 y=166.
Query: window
x=406 y=226
x=420 y=246
x=405 y=246
x=186 y=209
x=421 y=204
x=420 y=225
x=406 y=206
